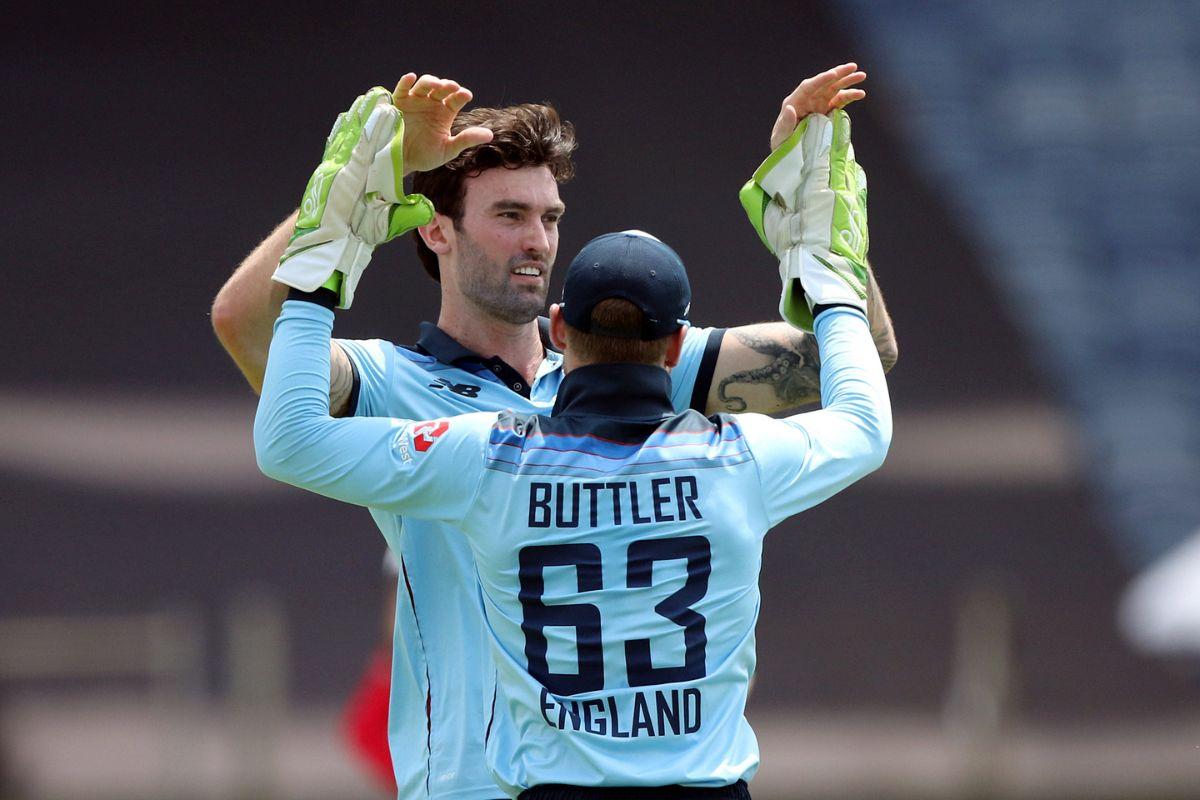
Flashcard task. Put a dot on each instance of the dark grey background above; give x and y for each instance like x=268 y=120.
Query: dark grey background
x=147 y=153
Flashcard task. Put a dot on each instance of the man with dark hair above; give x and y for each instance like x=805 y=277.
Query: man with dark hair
x=487 y=352
x=522 y=136
x=617 y=543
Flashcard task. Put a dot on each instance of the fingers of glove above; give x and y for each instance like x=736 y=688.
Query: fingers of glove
x=780 y=175
x=349 y=124
x=860 y=183
x=344 y=161
x=845 y=173
x=848 y=181
x=383 y=133
x=414 y=211
x=382 y=153
x=841 y=134
x=380 y=221
x=366 y=104
x=330 y=149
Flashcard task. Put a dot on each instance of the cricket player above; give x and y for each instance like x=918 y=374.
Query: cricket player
x=617 y=543
x=493 y=176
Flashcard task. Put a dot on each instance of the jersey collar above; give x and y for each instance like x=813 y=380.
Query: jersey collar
x=445 y=348
x=626 y=391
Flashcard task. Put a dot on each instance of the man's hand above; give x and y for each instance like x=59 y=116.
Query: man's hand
x=819 y=94
x=244 y=311
x=807 y=201
x=429 y=105
x=354 y=200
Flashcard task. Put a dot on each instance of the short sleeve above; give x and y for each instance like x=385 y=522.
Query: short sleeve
x=372 y=361
x=429 y=468
x=692 y=376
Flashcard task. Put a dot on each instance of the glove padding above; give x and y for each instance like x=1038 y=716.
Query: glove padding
x=354 y=200
x=808 y=204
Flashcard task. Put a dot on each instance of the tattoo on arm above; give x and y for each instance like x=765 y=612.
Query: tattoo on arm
x=793 y=369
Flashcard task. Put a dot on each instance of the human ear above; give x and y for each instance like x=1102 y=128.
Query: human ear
x=438 y=235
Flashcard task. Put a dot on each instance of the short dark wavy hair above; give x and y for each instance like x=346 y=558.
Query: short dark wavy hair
x=526 y=135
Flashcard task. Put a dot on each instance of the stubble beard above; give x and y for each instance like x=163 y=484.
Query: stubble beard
x=482 y=282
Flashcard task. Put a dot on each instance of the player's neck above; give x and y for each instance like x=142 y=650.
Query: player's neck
x=518 y=345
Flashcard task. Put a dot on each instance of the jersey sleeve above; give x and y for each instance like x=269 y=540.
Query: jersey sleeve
x=372 y=362
x=806 y=458
x=422 y=468
x=692 y=376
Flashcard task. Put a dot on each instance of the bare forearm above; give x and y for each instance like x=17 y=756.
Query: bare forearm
x=772 y=367
x=245 y=309
x=244 y=315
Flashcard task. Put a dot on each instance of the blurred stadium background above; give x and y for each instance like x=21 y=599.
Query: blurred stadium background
x=173 y=625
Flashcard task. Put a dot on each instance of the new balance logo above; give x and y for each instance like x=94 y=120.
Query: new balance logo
x=464 y=389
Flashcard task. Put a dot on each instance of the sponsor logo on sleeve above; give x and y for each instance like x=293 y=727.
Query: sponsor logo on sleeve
x=426 y=434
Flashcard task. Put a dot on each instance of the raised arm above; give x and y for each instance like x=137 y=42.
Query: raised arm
x=425 y=469
x=246 y=307
x=808 y=198
x=806 y=458
x=773 y=367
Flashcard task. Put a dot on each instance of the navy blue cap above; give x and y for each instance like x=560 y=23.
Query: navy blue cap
x=637 y=267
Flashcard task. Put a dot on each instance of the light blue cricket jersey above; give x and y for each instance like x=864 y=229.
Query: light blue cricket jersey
x=442 y=682
x=617 y=556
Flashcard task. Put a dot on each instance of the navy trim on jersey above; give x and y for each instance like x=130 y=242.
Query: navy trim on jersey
x=628 y=391
x=708 y=365
x=491 y=717
x=327 y=298
x=355 y=383
x=428 y=692
x=590 y=447
x=608 y=418
x=437 y=343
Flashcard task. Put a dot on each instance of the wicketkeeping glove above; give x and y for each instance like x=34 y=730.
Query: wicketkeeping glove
x=808 y=203
x=354 y=201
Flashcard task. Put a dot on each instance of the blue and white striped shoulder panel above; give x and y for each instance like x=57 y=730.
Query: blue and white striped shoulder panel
x=528 y=444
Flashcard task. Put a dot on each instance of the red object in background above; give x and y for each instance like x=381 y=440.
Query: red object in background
x=365 y=720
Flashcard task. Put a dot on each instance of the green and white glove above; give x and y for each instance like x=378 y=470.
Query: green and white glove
x=354 y=201
x=808 y=204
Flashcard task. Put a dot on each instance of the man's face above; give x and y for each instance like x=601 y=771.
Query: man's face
x=507 y=240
